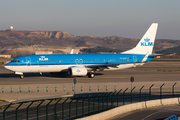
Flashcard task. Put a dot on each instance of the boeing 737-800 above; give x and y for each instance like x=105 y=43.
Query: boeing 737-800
x=86 y=64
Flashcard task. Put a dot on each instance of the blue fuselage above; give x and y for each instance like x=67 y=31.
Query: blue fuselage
x=74 y=59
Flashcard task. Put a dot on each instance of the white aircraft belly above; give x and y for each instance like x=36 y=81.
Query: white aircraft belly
x=38 y=68
x=57 y=68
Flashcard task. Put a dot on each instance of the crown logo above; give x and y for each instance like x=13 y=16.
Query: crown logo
x=78 y=70
x=146 y=40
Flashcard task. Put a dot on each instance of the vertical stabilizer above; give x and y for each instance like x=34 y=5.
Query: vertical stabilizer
x=71 y=51
x=146 y=43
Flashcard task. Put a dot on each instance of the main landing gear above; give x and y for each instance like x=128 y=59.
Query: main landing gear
x=91 y=75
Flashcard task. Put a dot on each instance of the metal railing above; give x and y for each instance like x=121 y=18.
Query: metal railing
x=80 y=105
x=26 y=89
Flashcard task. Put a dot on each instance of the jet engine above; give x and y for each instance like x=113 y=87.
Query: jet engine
x=78 y=71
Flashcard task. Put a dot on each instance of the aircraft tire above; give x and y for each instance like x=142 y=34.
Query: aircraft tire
x=21 y=76
x=91 y=75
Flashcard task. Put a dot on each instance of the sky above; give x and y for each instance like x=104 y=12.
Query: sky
x=100 y=18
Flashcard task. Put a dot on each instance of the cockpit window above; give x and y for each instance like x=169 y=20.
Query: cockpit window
x=15 y=61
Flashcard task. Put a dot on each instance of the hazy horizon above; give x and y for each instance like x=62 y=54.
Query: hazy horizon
x=129 y=19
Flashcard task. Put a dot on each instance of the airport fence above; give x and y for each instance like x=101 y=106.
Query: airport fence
x=79 y=89
x=26 y=89
x=80 y=105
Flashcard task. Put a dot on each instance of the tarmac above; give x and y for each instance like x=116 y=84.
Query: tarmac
x=36 y=85
x=154 y=113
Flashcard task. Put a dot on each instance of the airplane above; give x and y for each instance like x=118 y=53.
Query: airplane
x=86 y=64
x=71 y=51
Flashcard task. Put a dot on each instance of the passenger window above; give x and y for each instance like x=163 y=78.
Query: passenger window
x=15 y=61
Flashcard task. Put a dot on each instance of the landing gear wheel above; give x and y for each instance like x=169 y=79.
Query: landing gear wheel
x=91 y=75
x=21 y=76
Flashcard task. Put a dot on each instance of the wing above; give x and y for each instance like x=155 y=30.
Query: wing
x=101 y=67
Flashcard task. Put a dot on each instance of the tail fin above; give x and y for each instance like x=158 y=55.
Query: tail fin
x=71 y=51
x=146 y=43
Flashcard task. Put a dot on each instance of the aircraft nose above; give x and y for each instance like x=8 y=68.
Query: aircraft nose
x=8 y=67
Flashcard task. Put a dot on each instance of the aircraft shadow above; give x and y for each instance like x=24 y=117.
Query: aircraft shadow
x=11 y=75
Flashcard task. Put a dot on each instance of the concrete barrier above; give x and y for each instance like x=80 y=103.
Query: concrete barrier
x=131 y=107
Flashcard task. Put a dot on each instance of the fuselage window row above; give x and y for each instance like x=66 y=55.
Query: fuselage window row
x=52 y=61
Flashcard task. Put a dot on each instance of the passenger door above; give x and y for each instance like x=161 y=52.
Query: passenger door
x=134 y=59
x=28 y=61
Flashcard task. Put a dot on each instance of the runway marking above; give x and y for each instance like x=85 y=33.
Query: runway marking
x=151 y=115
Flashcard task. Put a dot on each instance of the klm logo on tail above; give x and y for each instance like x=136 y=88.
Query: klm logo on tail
x=146 y=43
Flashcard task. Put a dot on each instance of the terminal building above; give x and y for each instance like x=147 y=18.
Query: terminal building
x=43 y=52
x=5 y=56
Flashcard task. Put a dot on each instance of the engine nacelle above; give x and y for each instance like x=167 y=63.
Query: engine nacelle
x=78 y=71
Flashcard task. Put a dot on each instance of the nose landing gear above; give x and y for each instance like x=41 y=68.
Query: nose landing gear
x=21 y=76
x=20 y=73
